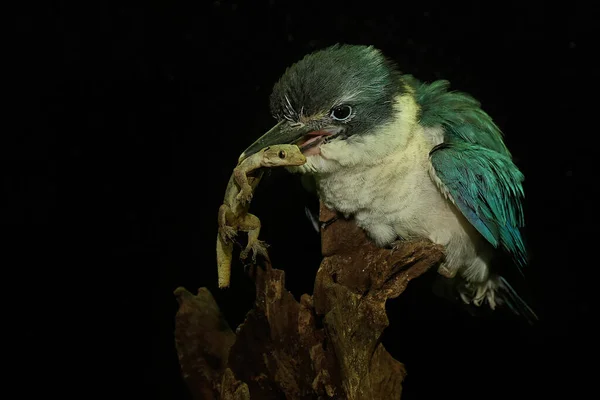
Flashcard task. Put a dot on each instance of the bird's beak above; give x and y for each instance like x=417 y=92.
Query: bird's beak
x=284 y=132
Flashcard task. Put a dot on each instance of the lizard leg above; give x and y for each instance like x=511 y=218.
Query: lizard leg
x=224 y=251
x=251 y=224
x=227 y=232
x=246 y=184
x=245 y=194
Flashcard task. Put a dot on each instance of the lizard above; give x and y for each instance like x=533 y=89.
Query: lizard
x=233 y=213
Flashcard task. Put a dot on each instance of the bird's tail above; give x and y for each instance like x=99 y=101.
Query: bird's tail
x=476 y=298
x=513 y=301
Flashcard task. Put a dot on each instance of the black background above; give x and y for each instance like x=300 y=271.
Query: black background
x=130 y=118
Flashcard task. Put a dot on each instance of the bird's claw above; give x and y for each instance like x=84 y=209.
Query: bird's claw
x=330 y=221
x=479 y=294
x=396 y=244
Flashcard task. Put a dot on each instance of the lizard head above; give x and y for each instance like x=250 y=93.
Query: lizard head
x=282 y=155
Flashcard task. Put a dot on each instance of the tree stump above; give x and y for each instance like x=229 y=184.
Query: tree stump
x=325 y=346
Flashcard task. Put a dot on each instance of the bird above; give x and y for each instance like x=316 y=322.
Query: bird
x=406 y=159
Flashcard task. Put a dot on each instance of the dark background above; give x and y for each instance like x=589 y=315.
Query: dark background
x=130 y=118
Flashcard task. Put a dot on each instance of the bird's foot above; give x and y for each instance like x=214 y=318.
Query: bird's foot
x=396 y=244
x=479 y=293
x=256 y=247
x=447 y=272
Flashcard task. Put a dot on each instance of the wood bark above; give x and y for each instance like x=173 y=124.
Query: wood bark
x=325 y=346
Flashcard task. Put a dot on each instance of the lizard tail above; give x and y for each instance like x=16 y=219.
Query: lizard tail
x=224 y=256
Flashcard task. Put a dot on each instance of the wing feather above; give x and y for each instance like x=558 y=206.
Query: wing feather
x=473 y=167
x=486 y=187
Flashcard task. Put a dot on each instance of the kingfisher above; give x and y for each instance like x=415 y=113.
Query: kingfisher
x=406 y=159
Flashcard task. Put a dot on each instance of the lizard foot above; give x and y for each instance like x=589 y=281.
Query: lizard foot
x=245 y=195
x=227 y=233
x=256 y=247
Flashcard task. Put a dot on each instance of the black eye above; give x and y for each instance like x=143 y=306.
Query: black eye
x=282 y=154
x=341 y=113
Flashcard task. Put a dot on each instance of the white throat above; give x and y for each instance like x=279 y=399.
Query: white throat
x=368 y=149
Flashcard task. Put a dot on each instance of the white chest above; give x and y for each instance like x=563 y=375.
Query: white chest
x=395 y=197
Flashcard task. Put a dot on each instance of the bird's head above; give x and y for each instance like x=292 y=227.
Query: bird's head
x=335 y=104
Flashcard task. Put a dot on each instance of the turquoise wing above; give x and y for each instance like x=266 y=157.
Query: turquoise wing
x=472 y=166
x=486 y=186
x=458 y=113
